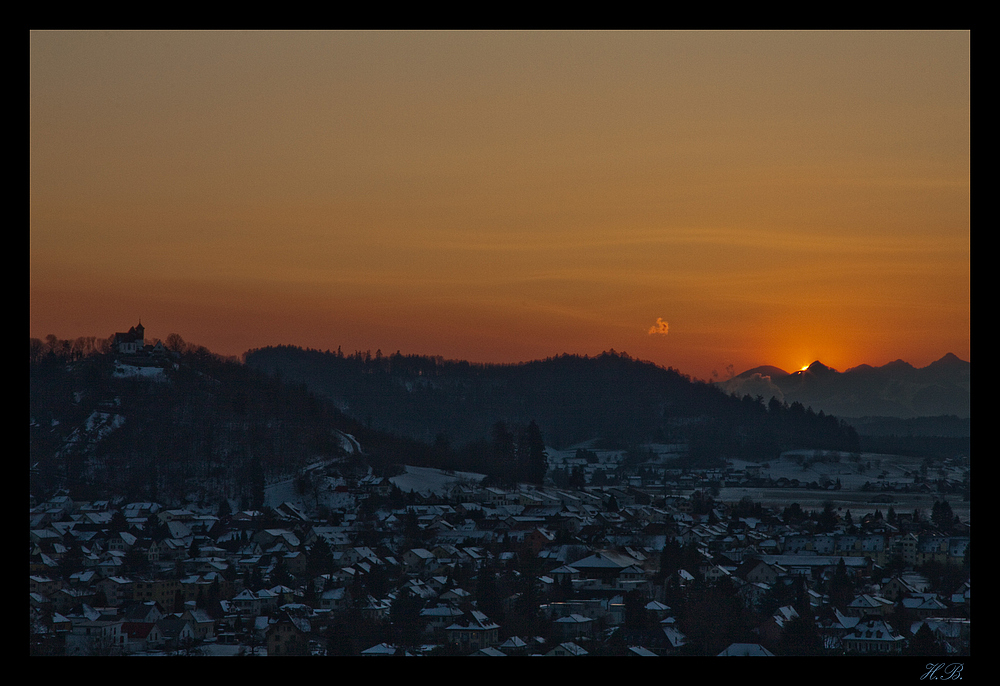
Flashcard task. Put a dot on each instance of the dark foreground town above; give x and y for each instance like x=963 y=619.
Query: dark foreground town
x=606 y=552
x=461 y=569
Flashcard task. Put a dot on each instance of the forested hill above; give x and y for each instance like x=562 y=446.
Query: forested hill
x=193 y=423
x=199 y=423
x=612 y=396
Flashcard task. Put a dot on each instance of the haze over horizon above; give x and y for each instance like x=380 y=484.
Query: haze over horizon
x=697 y=199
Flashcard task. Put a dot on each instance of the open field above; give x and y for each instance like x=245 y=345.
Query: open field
x=858 y=502
x=876 y=469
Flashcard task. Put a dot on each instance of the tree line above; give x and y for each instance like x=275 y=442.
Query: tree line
x=573 y=398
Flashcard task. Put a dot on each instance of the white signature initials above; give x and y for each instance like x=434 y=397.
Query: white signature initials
x=943 y=671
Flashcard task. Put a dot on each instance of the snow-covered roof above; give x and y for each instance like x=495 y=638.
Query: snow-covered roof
x=746 y=650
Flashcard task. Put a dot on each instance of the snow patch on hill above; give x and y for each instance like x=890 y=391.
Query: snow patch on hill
x=96 y=427
x=349 y=443
x=123 y=371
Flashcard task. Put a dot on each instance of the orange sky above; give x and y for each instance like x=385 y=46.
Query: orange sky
x=774 y=197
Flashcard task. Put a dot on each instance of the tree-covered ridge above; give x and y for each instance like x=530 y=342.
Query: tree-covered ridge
x=572 y=398
x=204 y=423
x=200 y=424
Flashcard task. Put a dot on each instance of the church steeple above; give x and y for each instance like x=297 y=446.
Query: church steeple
x=133 y=341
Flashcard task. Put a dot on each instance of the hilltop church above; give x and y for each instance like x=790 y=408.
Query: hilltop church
x=133 y=342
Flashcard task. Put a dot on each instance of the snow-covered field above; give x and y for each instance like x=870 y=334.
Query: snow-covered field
x=429 y=480
x=323 y=494
x=873 y=468
x=281 y=492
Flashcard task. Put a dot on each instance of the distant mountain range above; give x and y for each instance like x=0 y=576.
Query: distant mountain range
x=897 y=389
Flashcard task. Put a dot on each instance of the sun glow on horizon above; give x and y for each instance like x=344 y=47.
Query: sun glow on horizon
x=508 y=196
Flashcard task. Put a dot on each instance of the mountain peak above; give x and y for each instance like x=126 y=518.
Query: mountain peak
x=949 y=360
x=896 y=389
x=818 y=367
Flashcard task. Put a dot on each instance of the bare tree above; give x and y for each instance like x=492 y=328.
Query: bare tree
x=175 y=343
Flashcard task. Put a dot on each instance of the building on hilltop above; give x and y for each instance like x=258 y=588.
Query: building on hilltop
x=133 y=342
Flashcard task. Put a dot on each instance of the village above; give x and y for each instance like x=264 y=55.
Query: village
x=645 y=561
x=501 y=343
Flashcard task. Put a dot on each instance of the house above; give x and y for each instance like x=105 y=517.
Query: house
x=334 y=599
x=162 y=591
x=418 y=560
x=61 y=623
x=288 y=635
x=772 y=630
x=67 y=598
x=610 y=568
x=712 y=572
x=962 y=597
x=456 y=595
x=291 y=511
x=833 y=625
x=475 y=632
x=923 y=605
x=515 y=645
x=204 y=625
x=177 y=633
x=246 y=603
x=121 y=541
x=147 y=612
x=381 y=650
x=361 y=554
x=953 y=633
x=873 y=636
x=100 y=636
x=538 y=538
x=639 y=651
x=141 y=636
x=375 y=609
x=116 y=589
x=810 y=565
x=573 y=626
x=567 y=649
x=268 y=600
x=659 y=610
x=866 y=604
x=39 y=601
x=746 y=650
x=673 y=637
x=896 y=588
x=268 y=539
x=43 y=585
x=440 y=616
x=759 y=572
x=489 y=652
x=753 y=595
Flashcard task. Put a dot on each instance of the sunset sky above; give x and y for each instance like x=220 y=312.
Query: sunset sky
x=697 y=199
